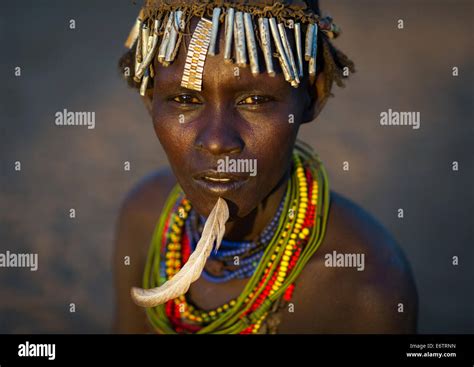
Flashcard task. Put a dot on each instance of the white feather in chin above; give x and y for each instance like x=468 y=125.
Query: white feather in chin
x=213 y=231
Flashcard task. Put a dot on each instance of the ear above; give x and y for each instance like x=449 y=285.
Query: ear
x=148 y=101
x=317 y=98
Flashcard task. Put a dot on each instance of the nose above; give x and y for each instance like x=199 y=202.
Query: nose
x=218 y=136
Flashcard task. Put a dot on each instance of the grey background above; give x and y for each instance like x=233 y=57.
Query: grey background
x=73 y=167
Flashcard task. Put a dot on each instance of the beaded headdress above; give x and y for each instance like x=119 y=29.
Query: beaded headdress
x=247 y=25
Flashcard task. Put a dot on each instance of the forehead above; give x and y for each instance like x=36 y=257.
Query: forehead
x=217 y=73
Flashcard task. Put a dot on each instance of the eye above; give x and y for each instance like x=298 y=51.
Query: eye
x=255 y=100
x=186 y=99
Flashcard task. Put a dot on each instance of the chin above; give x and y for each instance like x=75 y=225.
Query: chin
x=240 y=198
x=239 y=207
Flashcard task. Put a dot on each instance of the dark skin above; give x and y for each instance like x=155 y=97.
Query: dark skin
x=247 y=117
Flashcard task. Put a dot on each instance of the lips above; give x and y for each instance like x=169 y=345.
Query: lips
x=220 y=183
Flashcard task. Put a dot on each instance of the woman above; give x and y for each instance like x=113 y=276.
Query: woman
x=227 y=86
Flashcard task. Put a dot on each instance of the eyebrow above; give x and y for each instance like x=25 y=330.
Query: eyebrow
x=169 y=87
x=172 y=85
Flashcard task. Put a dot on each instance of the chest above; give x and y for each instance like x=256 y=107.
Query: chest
x=292 y=317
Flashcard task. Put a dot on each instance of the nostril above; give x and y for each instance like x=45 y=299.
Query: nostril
x=223 y=149
x=220 y=143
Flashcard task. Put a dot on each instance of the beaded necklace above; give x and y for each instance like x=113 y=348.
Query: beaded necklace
x=300 y=231
x=243 y=255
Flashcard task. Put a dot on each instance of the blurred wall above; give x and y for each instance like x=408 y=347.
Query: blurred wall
x=390 y=167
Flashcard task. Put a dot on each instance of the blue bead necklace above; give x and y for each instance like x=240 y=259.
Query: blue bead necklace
x=241 y=256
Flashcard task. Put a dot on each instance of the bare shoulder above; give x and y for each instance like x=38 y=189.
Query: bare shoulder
x=359 y=280
x=152 y=188
x=138 y=216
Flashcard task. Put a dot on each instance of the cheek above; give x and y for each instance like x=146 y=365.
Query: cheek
x=279 y=135
x=170 y=128
x=273 y=133
x=274 y=160
x=169 y=133
x=274 y=153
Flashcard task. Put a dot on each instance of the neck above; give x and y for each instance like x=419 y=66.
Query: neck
x=251 y=226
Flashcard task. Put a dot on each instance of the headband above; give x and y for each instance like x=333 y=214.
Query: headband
x=247 y=26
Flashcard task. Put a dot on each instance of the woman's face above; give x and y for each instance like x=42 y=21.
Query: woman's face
x=236 y=115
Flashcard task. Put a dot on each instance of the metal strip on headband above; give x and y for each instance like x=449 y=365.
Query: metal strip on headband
x=251 y=44
x=215 y=28
x=196 y=56
x=229 y=35
x=266 y=44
